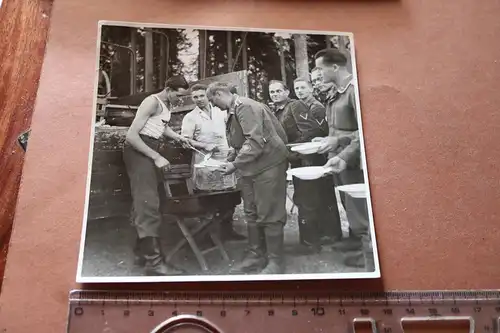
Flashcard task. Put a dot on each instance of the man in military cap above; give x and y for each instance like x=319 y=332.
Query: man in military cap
x=344 y=148
x=260 y=157
x=319 y=220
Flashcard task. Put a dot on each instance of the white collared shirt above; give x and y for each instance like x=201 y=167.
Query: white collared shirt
x=198 y=125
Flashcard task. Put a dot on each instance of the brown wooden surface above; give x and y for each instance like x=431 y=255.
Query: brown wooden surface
x=23 y=32
x=428 y=76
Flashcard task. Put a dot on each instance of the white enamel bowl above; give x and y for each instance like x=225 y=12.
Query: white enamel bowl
x=355 y=190
x=308 y=173
x=307 y=148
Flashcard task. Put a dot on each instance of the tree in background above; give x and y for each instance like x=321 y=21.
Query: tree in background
x=234 y=51
x=301 y=57
x=115 y=57
x=153 y=54
x=120 y=45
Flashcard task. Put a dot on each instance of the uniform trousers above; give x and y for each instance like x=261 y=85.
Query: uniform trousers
x=264 y=196
x=144 y=178
x=356 y=208
x=317 y=204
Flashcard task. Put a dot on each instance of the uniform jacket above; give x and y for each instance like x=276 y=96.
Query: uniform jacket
x=341 y=113
x=256 y=135
x=299 y=122
x=318 y=110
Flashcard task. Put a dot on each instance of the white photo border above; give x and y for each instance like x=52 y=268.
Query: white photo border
x=224 y=278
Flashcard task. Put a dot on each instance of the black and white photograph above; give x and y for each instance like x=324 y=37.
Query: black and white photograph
x=226 y=154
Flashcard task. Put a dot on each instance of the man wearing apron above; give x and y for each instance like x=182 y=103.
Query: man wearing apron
x=206 y=124
x=144 y=168
x=261 y=159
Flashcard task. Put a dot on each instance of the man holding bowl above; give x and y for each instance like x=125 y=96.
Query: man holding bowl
x=318 y=220
x=343 y=146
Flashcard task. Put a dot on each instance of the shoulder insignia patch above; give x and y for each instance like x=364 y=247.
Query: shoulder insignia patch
x=237 y=102
x=245 y=148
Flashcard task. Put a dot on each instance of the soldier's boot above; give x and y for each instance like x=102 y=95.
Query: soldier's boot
x=351 y=243
x=254 y=259
x=363 y=258
x=354 y=259
x=139 y=259
x=228 y=233
x=369 y=260
x=274 y=240
x=154 y=261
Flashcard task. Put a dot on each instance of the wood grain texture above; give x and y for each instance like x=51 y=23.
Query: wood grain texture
x=23 y=32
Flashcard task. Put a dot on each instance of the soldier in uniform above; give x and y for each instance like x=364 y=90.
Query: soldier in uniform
x=343 y=146
x=260 y=156
x=321 y=90
x=325 y=94
x=294 y=115
x=304 y=91
x=319 y=220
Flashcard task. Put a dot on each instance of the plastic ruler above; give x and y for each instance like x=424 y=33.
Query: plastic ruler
x=275 y=312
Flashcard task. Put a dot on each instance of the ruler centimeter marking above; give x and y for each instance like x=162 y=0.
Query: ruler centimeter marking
x=386 y=312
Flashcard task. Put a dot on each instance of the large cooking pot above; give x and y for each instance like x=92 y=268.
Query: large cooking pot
x=202 y=203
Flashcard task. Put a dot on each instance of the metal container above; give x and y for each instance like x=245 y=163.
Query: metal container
x=202 y=203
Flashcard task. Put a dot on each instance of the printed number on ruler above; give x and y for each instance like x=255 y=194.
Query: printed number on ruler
x=275 y=312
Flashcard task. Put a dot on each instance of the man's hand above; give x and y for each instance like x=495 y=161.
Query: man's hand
x=227 y=168
x=293 y=156
x=336 y=164
x=328 y=144
x=231 y=155
x=184 y=141
x=161 y=162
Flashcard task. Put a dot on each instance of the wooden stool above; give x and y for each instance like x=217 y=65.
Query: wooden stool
x=208 y=225
x=184 y=207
